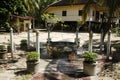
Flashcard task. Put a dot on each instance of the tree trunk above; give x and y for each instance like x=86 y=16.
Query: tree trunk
x=106 y=28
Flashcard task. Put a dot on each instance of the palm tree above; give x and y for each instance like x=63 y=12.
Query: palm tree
x=36 y=7
x=113 y=9
x=30 y=5
x=87 y=10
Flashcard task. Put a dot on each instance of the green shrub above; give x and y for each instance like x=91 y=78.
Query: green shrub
x=90 y=57
x=23 y=41
x=2 y=47
x=23 y=44
x=32 y=56
x=9 y=47
x=117 y=47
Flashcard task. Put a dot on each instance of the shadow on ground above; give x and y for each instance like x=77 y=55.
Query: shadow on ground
x=64 y=70
x=22 y=72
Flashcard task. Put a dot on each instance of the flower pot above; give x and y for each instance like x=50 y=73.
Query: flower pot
x=90 y=68
x=8 y=48
x=3 y=54
x=31 y=66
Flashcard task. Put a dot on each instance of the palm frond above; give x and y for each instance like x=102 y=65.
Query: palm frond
x=86 y=10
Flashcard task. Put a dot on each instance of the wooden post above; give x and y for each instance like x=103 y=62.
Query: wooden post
x=11 y=41
x=101 y=41
x=90 y=40
x=37 y=44
x=49 y=39
x=76 y=39
x=108 y=44
x=28 y=42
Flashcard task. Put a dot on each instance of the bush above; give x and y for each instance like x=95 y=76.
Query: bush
x=2 y=47
x=116 y=54
x=9 y=47
x=32 y=56
x=23 y=44
x=3 y=52
x=117 y=47
x=24 y=41
x=90 y=57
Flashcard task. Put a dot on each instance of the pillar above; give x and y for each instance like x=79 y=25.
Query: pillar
x=37 y=44
x=108 y=43
x=28 y=41
x=11 y=41
x=90 y=41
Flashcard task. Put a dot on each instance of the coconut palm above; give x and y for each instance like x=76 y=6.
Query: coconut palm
x=113 y=9
x=36 y=7
x=87 y=10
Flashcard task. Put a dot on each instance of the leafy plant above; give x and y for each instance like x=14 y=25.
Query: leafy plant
x=9 y=47
x=32 y=56
x=117 y=47
x=23 y=44
x=2 y=47
x=90 y=57
x=24 y=41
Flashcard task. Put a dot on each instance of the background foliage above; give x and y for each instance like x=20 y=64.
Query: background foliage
x=9 y=8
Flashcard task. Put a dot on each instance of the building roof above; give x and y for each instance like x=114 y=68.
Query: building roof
x=69 y=2
x=75 y=2
x=23 y=17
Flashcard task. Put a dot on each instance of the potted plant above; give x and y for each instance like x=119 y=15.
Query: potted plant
x=115 y=55
x=90 y=64
x=32 y=61
x=117 y=47
x=9 y=47
x=3 y=52
x=23 y=44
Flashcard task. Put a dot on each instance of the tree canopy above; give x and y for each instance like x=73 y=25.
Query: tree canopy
x=10 y=7
x=35 y=7
x=32 y=8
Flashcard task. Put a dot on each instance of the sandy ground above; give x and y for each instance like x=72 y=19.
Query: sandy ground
x=55 y=36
